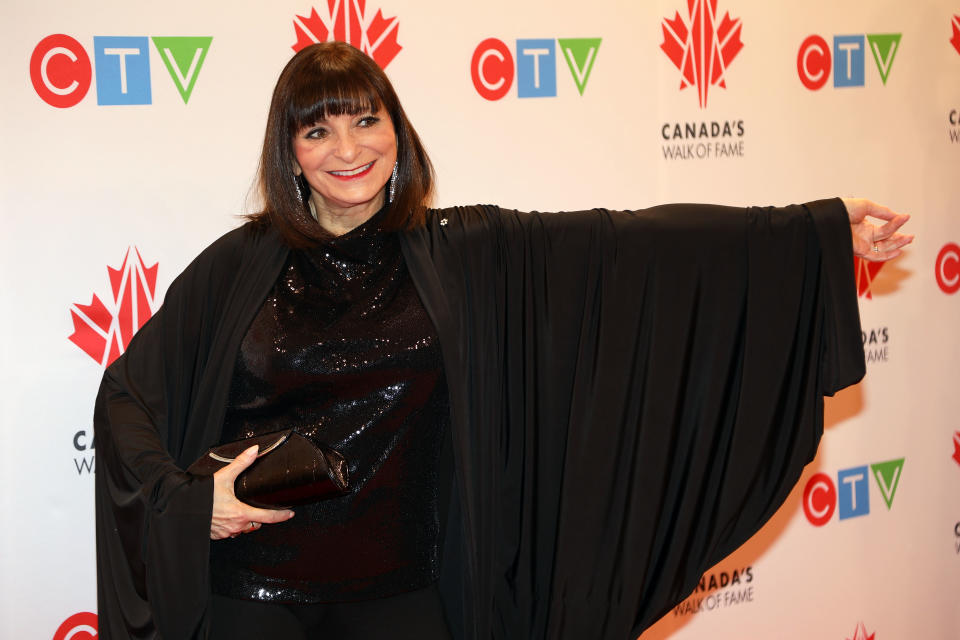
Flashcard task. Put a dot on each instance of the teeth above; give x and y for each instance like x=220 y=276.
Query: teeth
x=352 y=172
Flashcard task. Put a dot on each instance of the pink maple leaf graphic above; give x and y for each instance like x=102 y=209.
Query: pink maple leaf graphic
x=345 y=21
x=866 y=272
x=701 y=48
x=955 y=40
x=104 y=334
x=861 y=633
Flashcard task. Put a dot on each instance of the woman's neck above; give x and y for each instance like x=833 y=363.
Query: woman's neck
x=339 y=221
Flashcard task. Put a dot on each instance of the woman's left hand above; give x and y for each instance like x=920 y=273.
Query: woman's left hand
x=876 y=243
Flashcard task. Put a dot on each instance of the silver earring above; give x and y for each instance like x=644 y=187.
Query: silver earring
x=296 y=187
x=393 y=183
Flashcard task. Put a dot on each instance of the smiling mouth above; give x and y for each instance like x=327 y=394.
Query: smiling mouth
x=353 y=173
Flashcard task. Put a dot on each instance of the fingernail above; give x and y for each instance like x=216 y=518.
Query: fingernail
x=289 y=514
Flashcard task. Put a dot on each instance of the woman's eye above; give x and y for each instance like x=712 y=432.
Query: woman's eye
x=368 y=121
x=316 y=133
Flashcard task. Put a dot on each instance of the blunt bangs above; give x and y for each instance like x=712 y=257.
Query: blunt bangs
x=331 y=93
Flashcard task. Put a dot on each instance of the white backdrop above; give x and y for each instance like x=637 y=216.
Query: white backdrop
x=82 y=185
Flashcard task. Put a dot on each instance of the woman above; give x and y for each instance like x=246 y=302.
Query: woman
x=555 y=422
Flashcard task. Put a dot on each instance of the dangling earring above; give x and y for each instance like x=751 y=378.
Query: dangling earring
x=310 y=207
x=296 y=187
x=393 y=183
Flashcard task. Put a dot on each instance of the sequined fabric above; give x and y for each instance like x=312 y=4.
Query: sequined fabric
x=343 y=352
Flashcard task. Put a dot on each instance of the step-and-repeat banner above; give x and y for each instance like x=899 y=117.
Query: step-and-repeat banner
x=131 y=134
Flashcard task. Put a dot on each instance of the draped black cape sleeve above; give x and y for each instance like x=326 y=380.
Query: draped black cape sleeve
x=633 y=394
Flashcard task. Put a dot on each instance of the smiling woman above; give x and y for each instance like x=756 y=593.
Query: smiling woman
x=334 y=109
x=546 y=425
x=346 y=160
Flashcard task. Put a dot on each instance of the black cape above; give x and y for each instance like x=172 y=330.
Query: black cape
x=633 y=394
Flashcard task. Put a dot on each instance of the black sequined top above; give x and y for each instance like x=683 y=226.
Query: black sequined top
x=344 y=352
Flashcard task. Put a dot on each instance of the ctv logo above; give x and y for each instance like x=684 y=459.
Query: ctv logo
x=104 y=333
x=947 y=268
x=701 y=47
x=536 y=63
x=850 y=496
x=61 y=72
x=79 y=626
x=848 y=60
x=345 y=21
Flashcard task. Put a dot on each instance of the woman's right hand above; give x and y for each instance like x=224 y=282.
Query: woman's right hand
x=232 y=517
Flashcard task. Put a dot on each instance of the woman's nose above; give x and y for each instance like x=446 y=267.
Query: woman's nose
x=347 y=147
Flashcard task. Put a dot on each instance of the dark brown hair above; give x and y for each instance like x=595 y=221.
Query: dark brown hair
x=334 y=78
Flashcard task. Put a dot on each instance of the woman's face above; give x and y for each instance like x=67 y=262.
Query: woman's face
x=347 y=161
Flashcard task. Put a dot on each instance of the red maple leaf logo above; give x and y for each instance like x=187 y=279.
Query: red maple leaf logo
x=955 y=40
x=104 y=333
x=700 y=48
x=866 y=271
x=956 y=446
x=345 y=21
x=861 y=633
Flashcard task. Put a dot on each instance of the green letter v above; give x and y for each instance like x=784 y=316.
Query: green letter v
x=580 y=54
x=183 y=57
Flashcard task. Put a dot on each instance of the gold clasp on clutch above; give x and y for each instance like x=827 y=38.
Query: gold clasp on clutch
x=262 y=452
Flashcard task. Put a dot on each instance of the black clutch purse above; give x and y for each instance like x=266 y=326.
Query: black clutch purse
x=289 y=470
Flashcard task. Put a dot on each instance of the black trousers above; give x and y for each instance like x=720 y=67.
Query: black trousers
x=407 y=616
